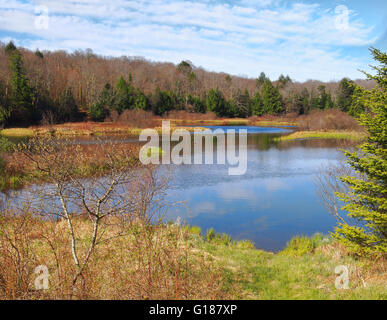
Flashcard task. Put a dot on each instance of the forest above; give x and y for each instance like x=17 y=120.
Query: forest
x=56 y=87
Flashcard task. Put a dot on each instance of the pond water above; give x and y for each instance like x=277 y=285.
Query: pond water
x=275 y=200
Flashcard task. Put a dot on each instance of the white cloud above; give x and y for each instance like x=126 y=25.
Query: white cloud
x=246 y=38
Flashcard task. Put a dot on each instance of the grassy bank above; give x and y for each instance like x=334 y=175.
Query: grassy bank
x=17 y=133
x=79 y=129
x=167 y=261
x=348 y=135
x=234 y=122
x=304 y=270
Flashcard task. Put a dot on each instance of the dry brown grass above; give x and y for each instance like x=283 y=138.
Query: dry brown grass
x=88 y=159
x=328 y=120
x=135 y=118
x=146 y=262
x=185 y=115
x=365 y=272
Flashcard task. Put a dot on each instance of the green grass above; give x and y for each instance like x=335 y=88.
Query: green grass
x=300 y=271
x=349 y=135
x=17 y=132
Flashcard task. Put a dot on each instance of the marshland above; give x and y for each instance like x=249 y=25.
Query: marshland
x=77 y=199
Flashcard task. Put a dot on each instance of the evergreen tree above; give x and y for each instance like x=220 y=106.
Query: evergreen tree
x=272 y=102
x=67 y=109
x=357 y=106
x=261 y=80
x=141 y=101
x=257 y=105
x=241 y=101
x=123 y=96
x=215 y=102
x=39 y=54
x=10 y=48
x=345 y=92
x=366 y=202
x=324 y=100
x=161 y=102
x=283 y=81
x=198 y=104
x=4 y=106
x=22 y=96
x=100 y=109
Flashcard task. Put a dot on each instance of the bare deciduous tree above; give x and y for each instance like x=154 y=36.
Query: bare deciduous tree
x=116 y=191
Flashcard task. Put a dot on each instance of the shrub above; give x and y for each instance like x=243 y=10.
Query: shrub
x=301 y=245
x=333 y=119
x=245 y=245
x=5 y=145
x=210 y=234
x=224 y=239
x=195 y=230
x=136 y=118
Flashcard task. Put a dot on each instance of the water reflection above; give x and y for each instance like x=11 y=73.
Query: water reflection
x=271 y=203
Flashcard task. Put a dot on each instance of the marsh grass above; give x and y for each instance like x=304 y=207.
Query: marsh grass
x=87 y=160
x=340 y=135
x=17 y=132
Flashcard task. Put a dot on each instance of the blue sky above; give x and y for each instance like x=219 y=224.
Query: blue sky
x=307 y=39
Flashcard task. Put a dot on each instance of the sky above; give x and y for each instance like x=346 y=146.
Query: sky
x=305 y=39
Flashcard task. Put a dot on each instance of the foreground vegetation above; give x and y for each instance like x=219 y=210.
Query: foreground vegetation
x=305 y=269
x=168 y=261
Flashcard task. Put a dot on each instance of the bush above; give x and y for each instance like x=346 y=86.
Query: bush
x=185 y=115
x=333 y=119
x=210 y=234
x=195 y=230
x=136 y=118
x=301 y=245
x=245 y=245
x=224 y=239
x=6 y=145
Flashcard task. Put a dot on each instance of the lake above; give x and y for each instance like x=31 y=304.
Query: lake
x=274 y=201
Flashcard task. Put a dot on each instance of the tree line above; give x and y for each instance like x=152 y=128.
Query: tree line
x=55 y=87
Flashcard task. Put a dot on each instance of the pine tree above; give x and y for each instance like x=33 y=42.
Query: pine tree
x=215 y=102
x=261 y=80
x=100 y=109
x=241 y=101
x=141 y=101
x=271 y=97
x=22 y=96
x=345 y=93
x=256 y=105
x=67 y=109
x=366 y=202
x=10 y=48
x=4 y=106
x=123 y=95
